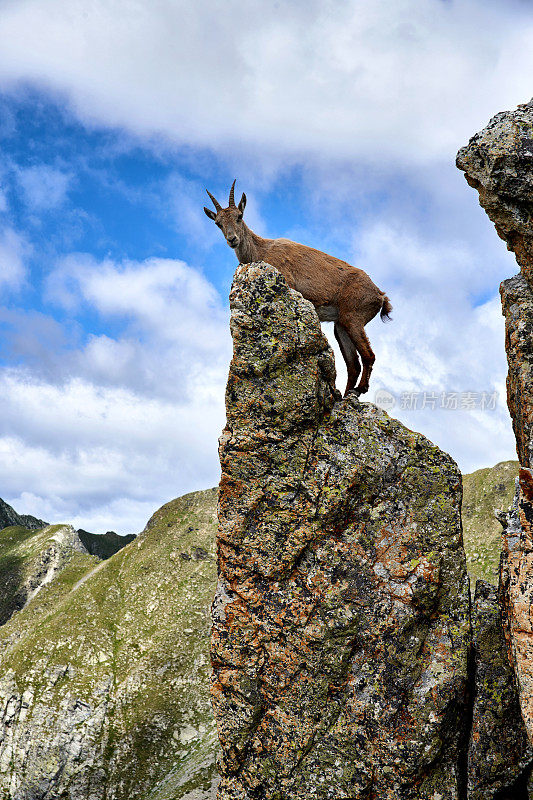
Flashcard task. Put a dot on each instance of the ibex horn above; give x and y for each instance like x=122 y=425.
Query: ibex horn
x=231 y=197
x=215 y=202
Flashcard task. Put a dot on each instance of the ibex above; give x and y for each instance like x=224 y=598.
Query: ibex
x=340 y=293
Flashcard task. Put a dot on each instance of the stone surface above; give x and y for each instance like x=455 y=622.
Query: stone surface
x=104 y=674
x=516 y=592
x=498 y=162
x=499 y=756
x=341 y=619
x=517 y=304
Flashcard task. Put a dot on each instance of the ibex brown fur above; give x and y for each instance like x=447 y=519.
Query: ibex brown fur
x=340 y=293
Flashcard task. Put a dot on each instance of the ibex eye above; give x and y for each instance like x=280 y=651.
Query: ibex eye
x=219 y=224
x=239 y=216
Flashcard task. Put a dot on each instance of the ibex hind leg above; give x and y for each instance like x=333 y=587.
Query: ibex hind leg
x=349 y=353
x=362 y=344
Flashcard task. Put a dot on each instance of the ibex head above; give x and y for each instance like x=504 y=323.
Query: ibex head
x=229 y=219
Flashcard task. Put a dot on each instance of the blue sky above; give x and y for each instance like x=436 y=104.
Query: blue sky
x=340 y=121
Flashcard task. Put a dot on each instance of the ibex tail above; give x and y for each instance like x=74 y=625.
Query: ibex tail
x=386 y=308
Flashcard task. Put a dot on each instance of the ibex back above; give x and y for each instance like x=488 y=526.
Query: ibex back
x=340 y=293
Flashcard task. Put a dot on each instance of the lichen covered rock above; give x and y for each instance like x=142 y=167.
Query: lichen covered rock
x=341 y=619
x=516 y=592
x=499 y=755
x=517 y=304
x=498 y=162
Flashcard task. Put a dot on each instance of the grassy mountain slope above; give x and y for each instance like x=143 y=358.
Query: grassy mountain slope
x=31 y=559
x=104 y=675
x=483 y=491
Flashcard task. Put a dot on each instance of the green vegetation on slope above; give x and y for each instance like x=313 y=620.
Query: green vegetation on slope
x=29 y=558
x=112 y=658
x=484 y=491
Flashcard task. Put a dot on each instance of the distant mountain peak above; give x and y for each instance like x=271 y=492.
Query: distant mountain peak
x=8 y=517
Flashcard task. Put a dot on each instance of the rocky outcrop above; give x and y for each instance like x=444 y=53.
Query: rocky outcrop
x=30 y=560
x=499 y=755
x=104 y=545
x=341 y=620
x=517 y=303
x=498 y=162
x=104 y=674
x=516 y=592
x=8 y=517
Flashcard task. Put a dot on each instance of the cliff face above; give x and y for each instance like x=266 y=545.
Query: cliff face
x=499 y=755
x=498 y=162
x=341 y=620
x=30 y=560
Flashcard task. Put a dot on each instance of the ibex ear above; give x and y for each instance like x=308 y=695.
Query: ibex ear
x=210 y=214
x=242 y=203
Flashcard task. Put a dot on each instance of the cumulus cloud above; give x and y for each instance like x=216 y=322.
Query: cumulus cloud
x=13 y=251
x=85 y=450
x=409 y=80
x=43 y=187
x=173 y=326
x=109 y=427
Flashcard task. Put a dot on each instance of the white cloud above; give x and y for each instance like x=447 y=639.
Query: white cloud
x=174 y=330
x=164 y=295
x=409 y=81
x=85 y=450
x=116 y=425
x=43 y=186
x=105 y=430
x=13 y=251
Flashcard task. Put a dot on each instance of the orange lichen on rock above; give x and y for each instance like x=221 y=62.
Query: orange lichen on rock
x=498 y=162
x=341 y=620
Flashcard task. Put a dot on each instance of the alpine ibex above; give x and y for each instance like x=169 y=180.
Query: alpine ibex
x=340 y=293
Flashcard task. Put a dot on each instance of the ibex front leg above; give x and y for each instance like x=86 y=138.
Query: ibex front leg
x=362 y=343
x=349 y=353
